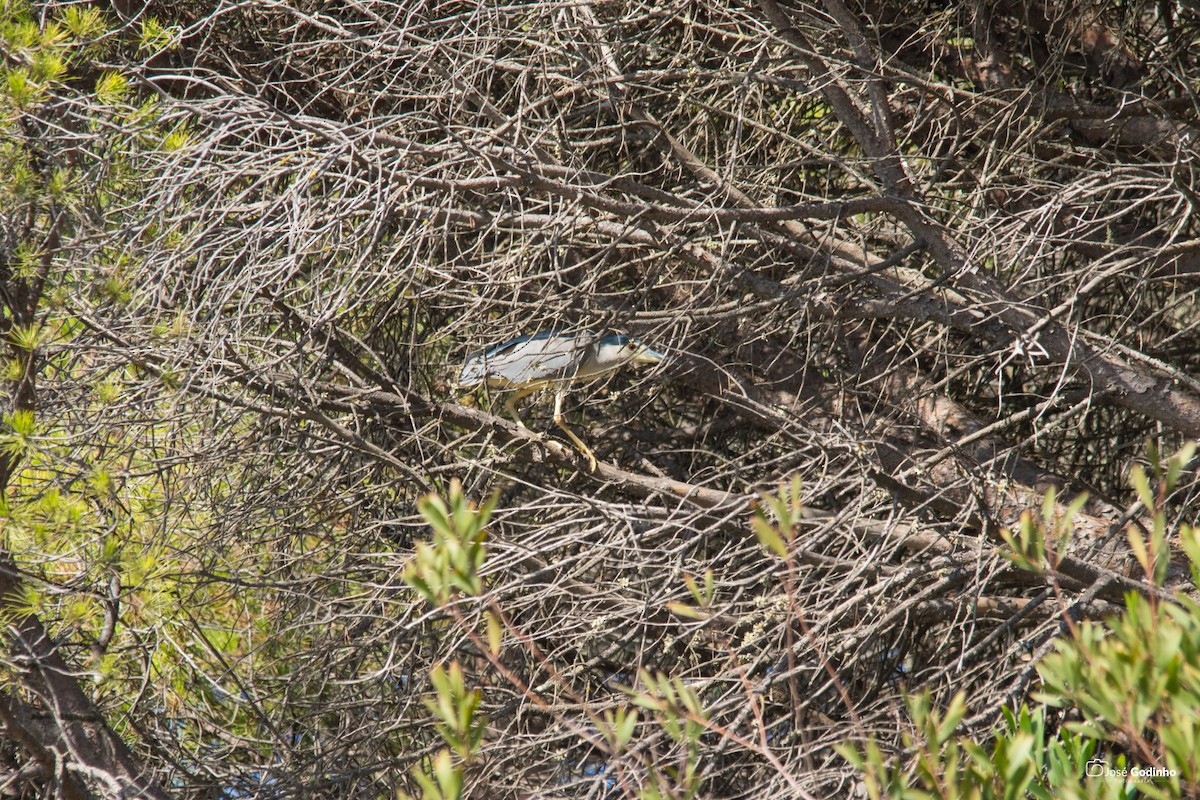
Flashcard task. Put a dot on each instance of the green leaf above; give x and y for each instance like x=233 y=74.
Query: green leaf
x=1141 y=484
x=449 y=777
x=626 y=725
x=83 y=22
x=111 y=88
x=495 y=631
x=155 y=38
x=1048 y=504
x=1138 y=545
x=25 y=337
x=768 y=537
x=434 y=511
x=1178 y=463
x=686 y=611
x=22 y=90
x=647 y=702
x=22 y=423
x=1018 y=759
x=953 y=716
x=48 y=67
x=176 y=139
x=1189 y=539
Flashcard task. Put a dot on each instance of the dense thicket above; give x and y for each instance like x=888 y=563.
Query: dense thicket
x=932 y=259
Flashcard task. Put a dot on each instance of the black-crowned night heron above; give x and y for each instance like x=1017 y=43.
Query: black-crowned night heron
x=555 y=358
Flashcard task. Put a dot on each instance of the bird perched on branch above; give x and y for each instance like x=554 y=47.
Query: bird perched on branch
x=555 y=358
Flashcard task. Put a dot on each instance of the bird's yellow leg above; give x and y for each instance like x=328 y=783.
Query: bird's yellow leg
x=558 y=420
x=511 y=404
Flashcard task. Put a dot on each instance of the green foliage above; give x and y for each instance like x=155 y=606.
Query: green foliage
x=112 y=87
x=40 y=55
x=620 y=725
x=676 y=708
x=1040 y=543
x=776 y=519
x=154 y=37
x=703 y=593
x=439 y=572
x=439 y=779
x=451 y=563
x=1022 y=762
x=446 y=571
x=83 y=22
x=24 y=337
x=70 y=149
x=92 y=511
x=1153 y=554
x=176 y=139
x=456 y=709
x=1133 y=681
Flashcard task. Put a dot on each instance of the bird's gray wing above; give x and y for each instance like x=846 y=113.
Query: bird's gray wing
x=472 y=370
x=476 y=366
x=539 y=356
